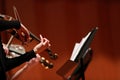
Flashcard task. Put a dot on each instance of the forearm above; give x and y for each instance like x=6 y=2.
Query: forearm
x=14 y=62
x=4 y=25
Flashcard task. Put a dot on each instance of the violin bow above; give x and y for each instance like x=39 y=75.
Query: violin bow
x=17 y=18
x=52 y=56
x=10 y=40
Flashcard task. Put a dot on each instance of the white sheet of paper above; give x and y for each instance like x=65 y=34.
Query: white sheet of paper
x=78 y=47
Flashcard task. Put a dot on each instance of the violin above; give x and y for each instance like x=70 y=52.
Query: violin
x=13 y=32
x=17 y=50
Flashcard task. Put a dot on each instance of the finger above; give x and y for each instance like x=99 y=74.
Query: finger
x=45 y=41
x=41 y=38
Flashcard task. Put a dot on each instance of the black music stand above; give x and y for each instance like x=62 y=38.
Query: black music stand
x=80 y=62
x=79 y=71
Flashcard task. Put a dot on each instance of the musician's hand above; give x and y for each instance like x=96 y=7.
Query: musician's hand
x=23 y=33
x=43 y=45
x=5 y=49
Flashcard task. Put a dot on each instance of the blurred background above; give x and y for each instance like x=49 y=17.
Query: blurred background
x=66 y=22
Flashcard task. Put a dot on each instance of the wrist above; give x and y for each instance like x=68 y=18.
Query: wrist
x=35 y=50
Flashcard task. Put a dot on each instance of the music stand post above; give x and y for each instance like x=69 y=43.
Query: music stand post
x=82 y=73
x=79 y=72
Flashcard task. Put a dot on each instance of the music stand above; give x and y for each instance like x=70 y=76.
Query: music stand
x=80 y=60
x=79 y=71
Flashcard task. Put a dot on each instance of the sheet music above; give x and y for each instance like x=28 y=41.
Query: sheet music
x=78 y=47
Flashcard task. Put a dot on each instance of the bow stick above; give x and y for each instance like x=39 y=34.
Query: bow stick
x=52 y=56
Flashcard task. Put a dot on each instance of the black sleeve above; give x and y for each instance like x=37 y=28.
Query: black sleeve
x=14 y=62
x=4 y=25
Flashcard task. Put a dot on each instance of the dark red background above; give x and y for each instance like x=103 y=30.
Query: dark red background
x=65 y=22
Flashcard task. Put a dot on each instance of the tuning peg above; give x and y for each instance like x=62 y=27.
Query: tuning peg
x=46 y=63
